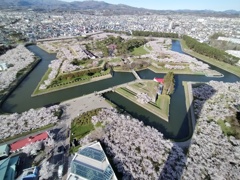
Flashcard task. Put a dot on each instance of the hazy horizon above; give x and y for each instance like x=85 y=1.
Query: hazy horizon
x=216 y=5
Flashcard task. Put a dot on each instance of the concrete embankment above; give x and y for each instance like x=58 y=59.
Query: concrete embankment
x=190 y=113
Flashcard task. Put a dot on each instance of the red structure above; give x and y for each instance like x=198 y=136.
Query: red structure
x=32 y=139
x=159 y=80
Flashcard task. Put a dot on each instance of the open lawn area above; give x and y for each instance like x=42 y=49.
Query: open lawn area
x=175 y=71
x=139 y=51
x=80 y=131
x=163 y=103
x=149 y=87
x=81 y=126
x=151 y=106
x=117 y=59
x=67 y=83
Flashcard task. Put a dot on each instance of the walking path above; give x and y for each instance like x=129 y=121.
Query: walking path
x=136 y=75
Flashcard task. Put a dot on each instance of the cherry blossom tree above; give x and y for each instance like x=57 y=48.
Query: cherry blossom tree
x=15 y=123
x=19 y=57
x=46 y=170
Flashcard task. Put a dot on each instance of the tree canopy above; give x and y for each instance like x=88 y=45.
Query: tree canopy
x=123 y=46
x=204 y=49
x=155 y=34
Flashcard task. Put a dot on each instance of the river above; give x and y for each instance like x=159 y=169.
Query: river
x=177 y=128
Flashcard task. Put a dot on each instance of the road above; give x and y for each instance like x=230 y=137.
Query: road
x=71 y=109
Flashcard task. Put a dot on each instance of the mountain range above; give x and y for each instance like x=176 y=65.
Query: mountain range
x=105 y=8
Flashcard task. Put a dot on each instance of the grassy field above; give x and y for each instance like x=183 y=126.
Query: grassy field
x=80 y=131
x=163 y=103
x=149 y=87
x=64 y=84
x=117 y=59
x=139 y=51
x=163 y=70
x=227 y=67
x=82 y=124
x=151 y=107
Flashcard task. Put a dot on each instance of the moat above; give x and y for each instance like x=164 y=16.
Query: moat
x=178 y=127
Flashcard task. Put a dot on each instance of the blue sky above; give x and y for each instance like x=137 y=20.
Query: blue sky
x=218 y=5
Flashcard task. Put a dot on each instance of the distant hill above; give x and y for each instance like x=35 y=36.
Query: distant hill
x=104 y=8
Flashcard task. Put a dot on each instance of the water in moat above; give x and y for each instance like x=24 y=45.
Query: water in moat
x=20 y=100
x=177 y=128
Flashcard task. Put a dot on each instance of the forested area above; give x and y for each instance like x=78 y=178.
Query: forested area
x=204 y=49
x=146 y=33
x=121 y=45
x=155 y=34
x=216 y=35
x=169 y=83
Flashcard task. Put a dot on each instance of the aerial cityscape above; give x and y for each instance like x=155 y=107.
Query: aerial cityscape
x=94 y=90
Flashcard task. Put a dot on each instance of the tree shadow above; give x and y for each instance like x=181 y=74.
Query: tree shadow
x=116 y=163
x=25 y=162
x=176 y=161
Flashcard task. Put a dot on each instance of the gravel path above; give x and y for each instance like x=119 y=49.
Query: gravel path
x=77 y=106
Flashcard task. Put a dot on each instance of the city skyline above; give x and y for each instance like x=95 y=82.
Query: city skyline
x=217 y=5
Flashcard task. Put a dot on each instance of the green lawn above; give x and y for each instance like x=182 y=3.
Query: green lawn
x=151 y=107
x=149 y=87
x=227 y=67
x=115 y=60
x=82 y=124
x=63 y=84
x=139 y=51
x=80 y=131
x=175 y=71
x=163 y=103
